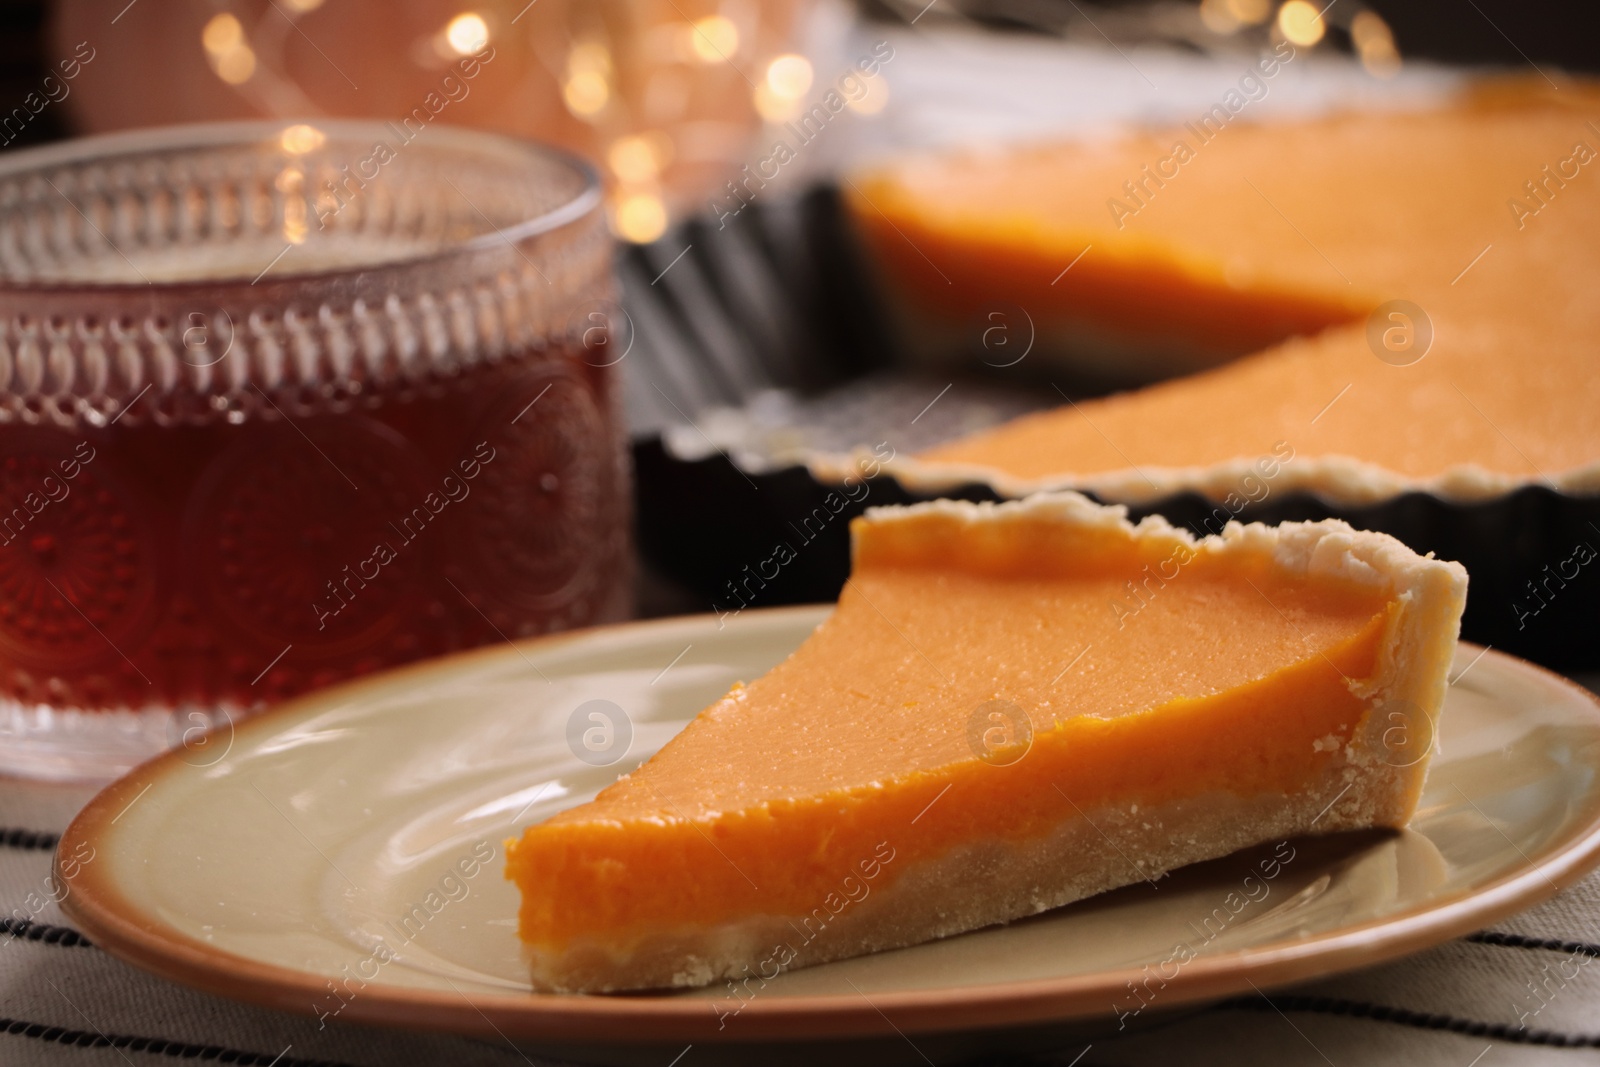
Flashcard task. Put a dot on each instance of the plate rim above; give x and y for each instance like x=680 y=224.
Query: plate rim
x=128 y=933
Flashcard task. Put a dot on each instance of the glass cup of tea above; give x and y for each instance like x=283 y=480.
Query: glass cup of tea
x=282 y=405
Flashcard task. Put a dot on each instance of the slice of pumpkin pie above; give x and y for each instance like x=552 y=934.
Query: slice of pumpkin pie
x=1013 y=707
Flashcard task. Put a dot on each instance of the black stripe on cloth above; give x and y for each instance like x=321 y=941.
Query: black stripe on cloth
x=29 y=930
x=28 y=839
x=1419 y=1019
x=155 y=1046
x=1491 y=937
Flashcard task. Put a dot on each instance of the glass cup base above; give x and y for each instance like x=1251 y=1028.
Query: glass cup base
x=66 y=744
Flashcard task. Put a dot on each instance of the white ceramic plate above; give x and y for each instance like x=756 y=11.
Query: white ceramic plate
x=268 y=862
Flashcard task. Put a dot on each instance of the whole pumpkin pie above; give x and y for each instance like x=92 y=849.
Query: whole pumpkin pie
x=1013 y=707
x=1404 y=300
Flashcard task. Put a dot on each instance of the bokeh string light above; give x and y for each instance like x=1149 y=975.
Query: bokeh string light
x=1374 y=43
x=1305 y=24
x=1301 y=23
x=467 y=33
x=714 y=39
x=231 y=57
x=788 y=78
x=1227 y=16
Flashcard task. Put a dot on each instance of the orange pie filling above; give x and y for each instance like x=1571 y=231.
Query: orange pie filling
x=982 y=688
x=1145 y=295
x=802 y=854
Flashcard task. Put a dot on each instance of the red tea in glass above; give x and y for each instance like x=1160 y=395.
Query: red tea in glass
x=273 y=414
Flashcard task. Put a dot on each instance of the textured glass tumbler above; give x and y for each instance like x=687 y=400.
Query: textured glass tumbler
x=282 y=405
